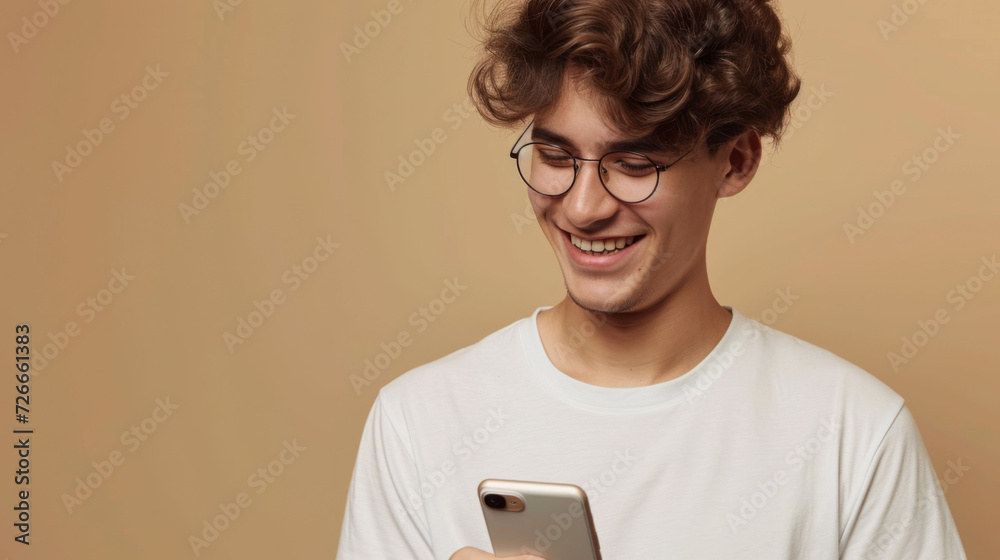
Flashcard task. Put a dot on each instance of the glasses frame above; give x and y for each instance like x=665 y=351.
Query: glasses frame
x=515 y=151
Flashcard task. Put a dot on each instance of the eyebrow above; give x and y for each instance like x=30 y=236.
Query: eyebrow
x=646 y=144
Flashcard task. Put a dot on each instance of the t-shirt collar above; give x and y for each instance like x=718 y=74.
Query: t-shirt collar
x=686 y=388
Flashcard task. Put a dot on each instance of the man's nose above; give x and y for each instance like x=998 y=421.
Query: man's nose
x=588 y=201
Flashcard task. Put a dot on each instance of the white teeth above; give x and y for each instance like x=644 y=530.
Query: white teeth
x=605 y=246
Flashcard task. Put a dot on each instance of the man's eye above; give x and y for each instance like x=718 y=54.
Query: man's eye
x=554 y=158
x=633 y=167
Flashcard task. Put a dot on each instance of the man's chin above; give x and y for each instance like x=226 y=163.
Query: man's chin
x=609 y=303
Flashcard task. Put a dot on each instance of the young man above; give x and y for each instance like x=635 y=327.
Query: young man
x=695 y=431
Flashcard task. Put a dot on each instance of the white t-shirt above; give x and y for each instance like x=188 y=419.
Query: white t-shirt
x=770 y=448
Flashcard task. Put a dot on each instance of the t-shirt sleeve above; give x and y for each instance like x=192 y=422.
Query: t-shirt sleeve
x=378 y=522
x=901 y=512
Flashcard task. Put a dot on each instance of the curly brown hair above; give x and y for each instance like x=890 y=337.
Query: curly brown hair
x=678 y=71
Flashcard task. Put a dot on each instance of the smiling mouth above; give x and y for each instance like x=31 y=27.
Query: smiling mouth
x=608 y=246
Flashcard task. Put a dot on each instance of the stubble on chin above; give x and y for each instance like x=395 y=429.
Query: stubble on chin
x=614 y=305
x=630 y=295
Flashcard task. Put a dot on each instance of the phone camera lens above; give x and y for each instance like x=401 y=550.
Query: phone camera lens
x=495 y=501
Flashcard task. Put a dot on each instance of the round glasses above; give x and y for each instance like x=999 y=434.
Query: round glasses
x=551 y=170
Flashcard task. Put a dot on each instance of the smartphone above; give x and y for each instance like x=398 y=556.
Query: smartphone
x=545 y=519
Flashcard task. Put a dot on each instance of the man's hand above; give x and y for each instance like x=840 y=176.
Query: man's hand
x=469 y=553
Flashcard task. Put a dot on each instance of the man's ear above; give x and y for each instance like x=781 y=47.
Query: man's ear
x=740 y=157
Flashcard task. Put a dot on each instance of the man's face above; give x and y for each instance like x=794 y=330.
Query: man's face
x=670 y=228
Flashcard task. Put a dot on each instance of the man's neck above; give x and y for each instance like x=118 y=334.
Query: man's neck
x=633 y=349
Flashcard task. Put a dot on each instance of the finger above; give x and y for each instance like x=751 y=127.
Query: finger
x=469 y=553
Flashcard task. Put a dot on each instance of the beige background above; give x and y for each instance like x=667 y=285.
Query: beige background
x=461 y=214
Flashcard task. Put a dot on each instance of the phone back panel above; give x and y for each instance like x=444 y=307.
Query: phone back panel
x=555 y=523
